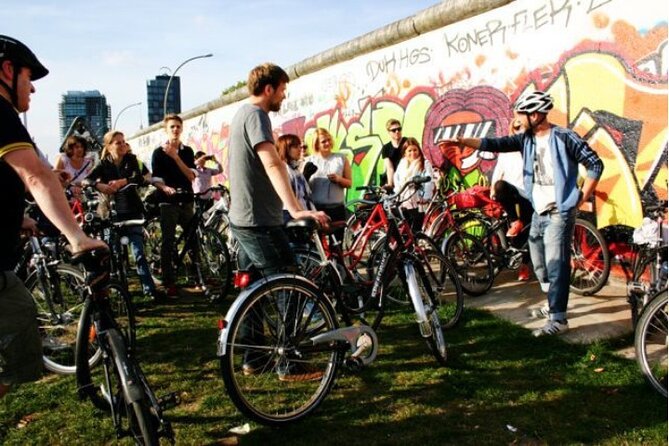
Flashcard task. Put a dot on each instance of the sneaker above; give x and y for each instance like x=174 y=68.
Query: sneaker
x=302 y=373
x=551 y=328
x=515 y=229
x=541 y=313
x=524 y=273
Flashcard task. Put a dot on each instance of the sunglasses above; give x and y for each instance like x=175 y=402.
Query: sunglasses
x=396 y=129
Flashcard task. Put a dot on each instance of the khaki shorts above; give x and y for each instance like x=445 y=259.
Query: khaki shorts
x=20 y=342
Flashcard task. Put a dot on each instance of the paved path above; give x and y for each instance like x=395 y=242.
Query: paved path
x=603 y=316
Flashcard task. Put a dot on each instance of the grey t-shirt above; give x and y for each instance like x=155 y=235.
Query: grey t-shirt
x=254 y=202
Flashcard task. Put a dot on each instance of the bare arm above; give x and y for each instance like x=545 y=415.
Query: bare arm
x=390 y=172
x=276 y=171
x=45 y=188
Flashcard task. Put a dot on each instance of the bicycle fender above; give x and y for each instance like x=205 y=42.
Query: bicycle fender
x=247 y=293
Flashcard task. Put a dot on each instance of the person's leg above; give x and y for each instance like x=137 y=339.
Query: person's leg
x=505 y=194
x=135 y=235
x=557 y=245
x=536 y=248
x=20 y=342
x=169 y=215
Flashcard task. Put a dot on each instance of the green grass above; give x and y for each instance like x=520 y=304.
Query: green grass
x=547 y=391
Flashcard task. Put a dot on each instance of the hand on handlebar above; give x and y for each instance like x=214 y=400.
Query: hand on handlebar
x=86 y=244
x=320 y=216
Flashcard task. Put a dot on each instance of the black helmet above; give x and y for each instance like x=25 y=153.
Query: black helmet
x=15 y=51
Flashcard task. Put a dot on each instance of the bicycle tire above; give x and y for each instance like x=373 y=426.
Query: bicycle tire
x=472 y=262
x=591 y=262
x=292 y=311
x=140 y=422
x=436 y=341
x=58 y=317
x=218 y=267
x=445 y=284
x=87 y=339
x=650 y=342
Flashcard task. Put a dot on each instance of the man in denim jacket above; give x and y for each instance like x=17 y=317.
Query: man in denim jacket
x=551 y=156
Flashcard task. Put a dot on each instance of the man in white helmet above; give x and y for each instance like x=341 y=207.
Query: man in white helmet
x=551 y=155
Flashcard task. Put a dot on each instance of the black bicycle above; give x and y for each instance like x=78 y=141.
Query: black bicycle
x=200 y=256
x=121 y=388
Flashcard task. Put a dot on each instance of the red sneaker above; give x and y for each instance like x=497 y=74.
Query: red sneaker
x=515 y=228
x=524 y=273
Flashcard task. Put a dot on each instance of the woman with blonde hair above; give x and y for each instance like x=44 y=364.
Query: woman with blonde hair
x=331 y=179
x=116 y=170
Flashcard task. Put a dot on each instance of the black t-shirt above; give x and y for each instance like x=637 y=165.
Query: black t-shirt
x=128 y=204
x=392 y=152
x=166 y=168
x=13 y=136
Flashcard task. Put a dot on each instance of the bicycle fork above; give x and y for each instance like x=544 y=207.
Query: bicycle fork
x=422 y=318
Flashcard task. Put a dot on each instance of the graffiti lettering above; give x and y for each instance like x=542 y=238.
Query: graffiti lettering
x=398 y=60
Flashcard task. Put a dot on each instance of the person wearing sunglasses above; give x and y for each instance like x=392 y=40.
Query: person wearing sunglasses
x=391 y=152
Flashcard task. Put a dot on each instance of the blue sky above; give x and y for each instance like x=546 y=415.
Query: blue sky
x=115 y=47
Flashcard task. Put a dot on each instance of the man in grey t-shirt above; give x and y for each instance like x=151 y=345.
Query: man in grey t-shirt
x=259 y=183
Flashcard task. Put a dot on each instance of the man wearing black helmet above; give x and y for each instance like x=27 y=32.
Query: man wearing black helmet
x=21 y=168
x=551 y=156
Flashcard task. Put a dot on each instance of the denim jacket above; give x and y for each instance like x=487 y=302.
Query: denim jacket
x=568 y=151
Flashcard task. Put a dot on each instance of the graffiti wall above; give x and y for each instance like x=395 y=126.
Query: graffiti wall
x=603 y=61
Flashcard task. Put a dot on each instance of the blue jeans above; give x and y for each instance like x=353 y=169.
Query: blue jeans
x=550 y=248
x=266 y=248
x=135 y=235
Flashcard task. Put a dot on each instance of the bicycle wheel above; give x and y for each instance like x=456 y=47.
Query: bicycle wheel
x=650 y=342
x=590 y=259
x=435 y=340
x=271 y=371
x=216 y=266
x=128 y=400
x=60 y=302
x=471 y=261
x=152 y=242
x=444 y=282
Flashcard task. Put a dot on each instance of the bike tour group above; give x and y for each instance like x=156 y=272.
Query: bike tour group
x=315 y=273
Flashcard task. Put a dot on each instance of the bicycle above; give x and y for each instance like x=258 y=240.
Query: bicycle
x=200 y=255
x=650 y=342
x=405 y=268
x=124 y=390
x=647 y=273
x=279 y=326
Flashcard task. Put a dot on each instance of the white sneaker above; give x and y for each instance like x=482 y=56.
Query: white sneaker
x=551 y=328
x=541 y=313
x=545 y=286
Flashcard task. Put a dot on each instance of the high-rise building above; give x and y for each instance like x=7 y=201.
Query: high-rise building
x=90 y=105
x=155 y=97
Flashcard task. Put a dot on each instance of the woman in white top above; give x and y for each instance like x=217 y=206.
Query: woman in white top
x=74 y=161
x=413 y=163
x=331 y=179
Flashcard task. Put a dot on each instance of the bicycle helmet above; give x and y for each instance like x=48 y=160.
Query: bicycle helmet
x=20 y=56
x=535 y=101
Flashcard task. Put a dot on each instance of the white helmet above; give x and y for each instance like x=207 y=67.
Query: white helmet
x=535 y=101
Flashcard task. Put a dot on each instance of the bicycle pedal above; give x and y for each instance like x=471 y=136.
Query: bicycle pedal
x=169 y=401
x=354 y=365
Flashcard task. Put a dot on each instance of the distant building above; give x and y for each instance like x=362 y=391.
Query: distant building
x=155 y=96
x=89 y=105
